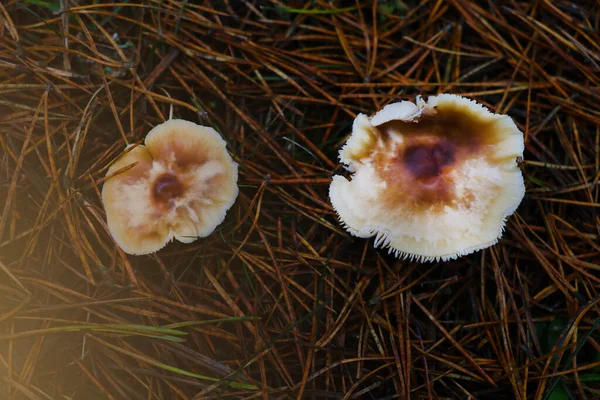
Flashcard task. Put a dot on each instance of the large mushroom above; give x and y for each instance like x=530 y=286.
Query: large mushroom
x=433 y=180
x=181 y=185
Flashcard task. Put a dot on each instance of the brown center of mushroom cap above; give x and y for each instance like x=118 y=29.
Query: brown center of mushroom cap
x=166 y=188
x=427 y=160
x=419 y=160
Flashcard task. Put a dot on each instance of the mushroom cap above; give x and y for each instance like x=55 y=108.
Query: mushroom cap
x=181 y=187
x=433 y=180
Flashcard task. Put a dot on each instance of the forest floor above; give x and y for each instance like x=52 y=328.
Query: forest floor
x=280 y=302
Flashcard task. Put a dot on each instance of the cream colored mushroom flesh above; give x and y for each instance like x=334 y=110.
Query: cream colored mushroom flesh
x=180 y=187
x=431 y=181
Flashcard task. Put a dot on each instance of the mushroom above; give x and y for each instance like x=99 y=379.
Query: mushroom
x=181 y=185
x=431 y=181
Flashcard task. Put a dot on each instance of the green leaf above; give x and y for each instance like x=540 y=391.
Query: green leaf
x=52 y=6
x=316 y=11
x=589 y=378
x=123 y=329
x=557 y=326
x=392 y=7
x=210 y=321
x=559 y=393
x=537 y=181
x=179 y=371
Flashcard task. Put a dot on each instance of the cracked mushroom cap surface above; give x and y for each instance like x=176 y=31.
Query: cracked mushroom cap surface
x=181 y=186
x=431 y=181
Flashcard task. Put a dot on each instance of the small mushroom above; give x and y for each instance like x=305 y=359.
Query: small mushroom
x=181 y=185
x=433 y=180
